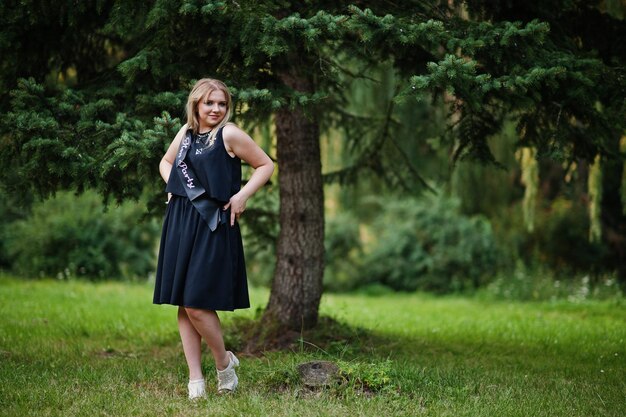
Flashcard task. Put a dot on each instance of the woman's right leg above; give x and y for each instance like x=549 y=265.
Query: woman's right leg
x=191 y=344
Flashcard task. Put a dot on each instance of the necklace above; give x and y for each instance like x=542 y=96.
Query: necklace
x=202 y=138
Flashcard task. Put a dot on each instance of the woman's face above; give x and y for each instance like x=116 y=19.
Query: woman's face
x=212 y=110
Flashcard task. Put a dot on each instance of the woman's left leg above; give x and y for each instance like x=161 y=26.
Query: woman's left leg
x=207 y=324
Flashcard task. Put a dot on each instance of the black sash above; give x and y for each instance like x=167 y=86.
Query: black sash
x=210 y=210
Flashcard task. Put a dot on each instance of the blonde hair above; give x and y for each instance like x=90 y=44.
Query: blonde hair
x=200 y=91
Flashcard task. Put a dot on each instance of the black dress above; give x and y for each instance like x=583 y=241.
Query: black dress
x=198 y=267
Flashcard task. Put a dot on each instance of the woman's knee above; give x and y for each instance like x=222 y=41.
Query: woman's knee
x=197 y=313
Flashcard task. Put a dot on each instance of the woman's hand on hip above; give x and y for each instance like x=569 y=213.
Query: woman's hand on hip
x=237 y=205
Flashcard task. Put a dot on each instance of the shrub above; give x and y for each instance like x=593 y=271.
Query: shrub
x=428 y=244
x=342 y=252
x=561 y=240
x=72 y=235
x=11 y=210
x=260 y=227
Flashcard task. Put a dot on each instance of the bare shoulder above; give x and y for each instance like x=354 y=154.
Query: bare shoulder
x=232 y=131
x=181 y=133
x=239 y=143
x=235 y=139
x=173 y=148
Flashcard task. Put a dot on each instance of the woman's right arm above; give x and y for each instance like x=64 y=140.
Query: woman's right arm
x=165 y=166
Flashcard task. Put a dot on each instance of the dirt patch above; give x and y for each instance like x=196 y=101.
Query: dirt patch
x=256 y=337
x=109 y=353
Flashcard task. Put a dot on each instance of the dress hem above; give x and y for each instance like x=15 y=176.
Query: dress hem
x=200 y=307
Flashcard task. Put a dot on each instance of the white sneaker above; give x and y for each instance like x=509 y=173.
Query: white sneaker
x=227 y=380
x=196 y=389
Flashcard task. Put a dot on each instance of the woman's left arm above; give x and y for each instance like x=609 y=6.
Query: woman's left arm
x=237 y=142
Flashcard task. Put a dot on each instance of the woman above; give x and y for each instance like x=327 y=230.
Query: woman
x=201 y=267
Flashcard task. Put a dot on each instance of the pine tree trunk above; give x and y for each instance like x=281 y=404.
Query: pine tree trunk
x=297 y=285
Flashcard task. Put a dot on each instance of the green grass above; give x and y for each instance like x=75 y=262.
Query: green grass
x=76 y=348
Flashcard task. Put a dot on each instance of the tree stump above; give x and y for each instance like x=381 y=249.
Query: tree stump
x=318 y=373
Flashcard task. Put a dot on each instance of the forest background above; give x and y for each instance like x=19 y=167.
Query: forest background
x=412 y=201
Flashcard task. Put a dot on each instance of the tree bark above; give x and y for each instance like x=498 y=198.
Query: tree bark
x=297 y=285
